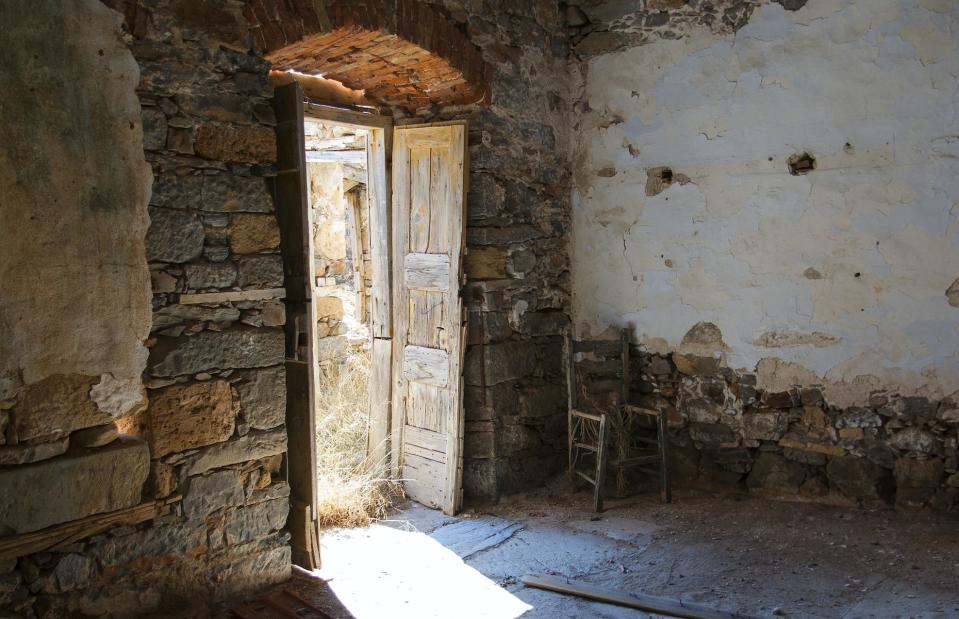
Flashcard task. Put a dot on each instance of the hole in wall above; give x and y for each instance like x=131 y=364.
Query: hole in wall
x=792 y=5
x=661 y=177
x=801 y=163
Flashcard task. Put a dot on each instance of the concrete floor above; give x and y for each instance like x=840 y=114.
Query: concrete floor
x=732 y=552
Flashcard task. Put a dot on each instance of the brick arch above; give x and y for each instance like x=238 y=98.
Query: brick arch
x=403 y=53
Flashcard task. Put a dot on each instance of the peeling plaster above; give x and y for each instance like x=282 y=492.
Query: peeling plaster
x=75 y=186
x=844 y=276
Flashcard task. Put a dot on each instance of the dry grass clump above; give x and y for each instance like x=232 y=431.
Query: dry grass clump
x=350 y=491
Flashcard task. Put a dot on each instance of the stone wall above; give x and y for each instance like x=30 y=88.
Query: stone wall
x=517 y=291
x=766 y=197
x=513 y=55
x=212 y=438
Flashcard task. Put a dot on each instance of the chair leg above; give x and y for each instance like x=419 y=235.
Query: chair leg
x=600 y=467
x=621 y=482
x=665 y=490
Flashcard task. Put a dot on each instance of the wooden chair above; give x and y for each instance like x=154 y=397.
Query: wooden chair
x=623 y=426
x=586 y=435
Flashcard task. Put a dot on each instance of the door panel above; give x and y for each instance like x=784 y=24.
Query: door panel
x=429 y=185
x=290 y=196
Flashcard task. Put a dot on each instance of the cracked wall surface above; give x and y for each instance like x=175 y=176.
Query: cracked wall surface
x=75 y=306
x=839 y=276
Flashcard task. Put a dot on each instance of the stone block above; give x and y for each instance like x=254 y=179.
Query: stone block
x=127 y=545
x=544 y=323
x=210 y=275
x=794 y=442
x=765 y=425
x=695 y=365
x=232 y=143
x=73 y=571
x=177 y=314
x=917 y=480
x=479 y=444
x=56 y=406
x=219 y=193
x=190 y=415
x=480 y=479
x=506 y=361
x=96 y=436
x=78 y=484
x=252 y=522
x=209 y=350
x=773 y=473
x=25 y=453
x=858 y=418
x=208 y=493
x=712 y=433
x=261 y=271
x=540 y=401
x=859 y=478
x=154 y=129
x=218 y=106
x=253 y=446
x=251 y=233
x=916 y=440
x=328 y=308
x=274 y=314
x=778 y=399
x=485 y=263
x=244 y=572
x=173 y=236
x=263 y=398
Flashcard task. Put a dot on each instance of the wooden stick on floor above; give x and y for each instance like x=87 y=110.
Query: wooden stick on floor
x=661 y=605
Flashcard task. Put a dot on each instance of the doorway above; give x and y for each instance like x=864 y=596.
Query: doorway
x=373 y=256
x=352 y=489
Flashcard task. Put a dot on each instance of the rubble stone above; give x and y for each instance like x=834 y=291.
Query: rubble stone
x=859 y=478
x=917 y=480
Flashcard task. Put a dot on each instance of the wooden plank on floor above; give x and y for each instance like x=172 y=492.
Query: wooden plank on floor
x=650 y=603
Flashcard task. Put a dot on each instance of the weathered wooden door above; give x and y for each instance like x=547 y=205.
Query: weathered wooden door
x=429 y=188
x=290 y=197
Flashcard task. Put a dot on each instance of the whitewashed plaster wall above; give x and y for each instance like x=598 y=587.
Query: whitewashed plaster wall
x=838 y=277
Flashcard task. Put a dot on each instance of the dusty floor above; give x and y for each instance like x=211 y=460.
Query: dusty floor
x=735 y=553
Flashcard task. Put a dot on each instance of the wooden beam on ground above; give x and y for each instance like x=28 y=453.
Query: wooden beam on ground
x=664 y=606
x=24 y=544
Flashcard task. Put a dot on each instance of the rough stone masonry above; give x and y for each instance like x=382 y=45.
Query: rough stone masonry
x=789 y=281
x=798 y=329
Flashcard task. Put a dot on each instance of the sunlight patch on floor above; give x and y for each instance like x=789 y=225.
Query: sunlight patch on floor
x=378 y=568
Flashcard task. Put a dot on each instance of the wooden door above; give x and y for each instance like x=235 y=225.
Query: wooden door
x=292 y=212
x=429 y=188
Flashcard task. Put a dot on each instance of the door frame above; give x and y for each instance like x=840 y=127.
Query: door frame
x=378 y=190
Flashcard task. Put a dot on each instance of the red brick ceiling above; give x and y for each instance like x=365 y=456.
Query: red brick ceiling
x=403 y=53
